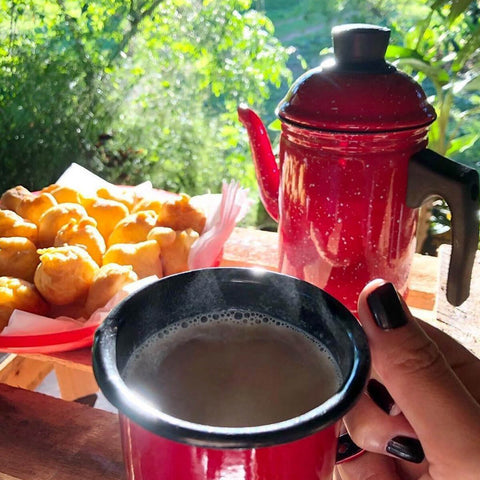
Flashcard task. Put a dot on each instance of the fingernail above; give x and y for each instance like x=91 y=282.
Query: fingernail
x=386 y=307
x=379 y=394
x=406 y=448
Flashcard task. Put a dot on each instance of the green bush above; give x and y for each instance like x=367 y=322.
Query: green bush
x=132 y=91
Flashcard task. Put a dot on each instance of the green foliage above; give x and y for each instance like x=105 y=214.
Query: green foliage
x=194 y=76
x=161 y=78
x=443 y=53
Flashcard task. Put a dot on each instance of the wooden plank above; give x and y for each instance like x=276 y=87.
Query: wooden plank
x=75 y=383
x=245 y=248
x=463 y=321
x=19 y=371
x=80 y=359
x=251 y=248
x=44 y=438
x=256 y=248
x=3 y=476
x=422 y=282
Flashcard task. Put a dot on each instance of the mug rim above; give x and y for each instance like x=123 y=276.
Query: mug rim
x=160 y=423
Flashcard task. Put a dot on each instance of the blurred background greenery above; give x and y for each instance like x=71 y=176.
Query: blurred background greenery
x=147 y=89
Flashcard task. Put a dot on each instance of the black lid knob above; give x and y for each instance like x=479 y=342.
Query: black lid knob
x=360 y=46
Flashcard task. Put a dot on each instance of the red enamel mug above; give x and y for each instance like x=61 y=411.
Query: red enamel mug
x=157 y=445
x=352 y=170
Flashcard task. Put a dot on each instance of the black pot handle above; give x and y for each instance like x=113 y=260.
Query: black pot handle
x=431 y=176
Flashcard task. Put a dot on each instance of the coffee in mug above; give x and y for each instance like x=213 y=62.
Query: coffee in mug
x=233 y=368
x=231 y=373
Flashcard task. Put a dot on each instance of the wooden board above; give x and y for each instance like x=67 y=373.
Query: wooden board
x=74 y=384
x=44 y=438
x=19 y=371
x=422 y=282
x=462 y=322
x=80 y=359
x=248 y=247
x=256 y=248
x=245 y=248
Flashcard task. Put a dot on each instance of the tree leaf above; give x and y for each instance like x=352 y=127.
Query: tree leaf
x=397 y=51
x=435 y=73
x=462 y=143
x=468 y=49
x=471 y=82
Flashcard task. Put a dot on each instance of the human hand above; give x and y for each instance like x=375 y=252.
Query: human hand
x=428 y=389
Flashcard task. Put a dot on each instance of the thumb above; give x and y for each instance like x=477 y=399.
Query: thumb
x=412 y=368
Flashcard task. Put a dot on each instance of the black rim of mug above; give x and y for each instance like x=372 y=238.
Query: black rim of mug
x=104 y=356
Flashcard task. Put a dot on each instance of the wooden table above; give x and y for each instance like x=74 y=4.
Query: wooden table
x=246 y=247
x=45 y=438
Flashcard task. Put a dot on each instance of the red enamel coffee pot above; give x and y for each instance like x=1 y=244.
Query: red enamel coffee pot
x=353 y=169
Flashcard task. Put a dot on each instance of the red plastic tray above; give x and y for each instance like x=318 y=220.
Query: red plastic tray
x=48 y=342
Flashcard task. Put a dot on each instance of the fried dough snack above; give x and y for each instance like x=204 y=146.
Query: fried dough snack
x=32 y=208
x=78 y=251
x=149 y=204
x=19 y=294
x=64 y=194
x=13 y=225
x=64 y=274
x=133 y=228
x=18 y=258
x=82 y=232
x=107 y=282
x=175 y=254
x=180 y=214
x=119 y=195
x=11 y=198
x=55 y=218
x=107 y=213
x=144 y=257
x=165 y=236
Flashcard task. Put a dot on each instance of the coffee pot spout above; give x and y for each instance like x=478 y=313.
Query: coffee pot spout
x=266 y=168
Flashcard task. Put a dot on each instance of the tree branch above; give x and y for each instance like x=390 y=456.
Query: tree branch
x=137 y=17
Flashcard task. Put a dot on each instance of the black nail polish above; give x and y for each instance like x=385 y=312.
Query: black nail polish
x=406 y=448
x=346 y=448
x=386 y=307
x=379 y=394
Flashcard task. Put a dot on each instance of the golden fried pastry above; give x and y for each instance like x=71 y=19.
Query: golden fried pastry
x=55 y=218
x=18 y=258
x=149 y=204
x=64 y=194
x=107 y=213
x=32 y=208
x=175 y=255
x=144 y=257
x=64 y=274
x=82 y=232
x=13 y=225
x=21 y=295
x=107 y=282
x=49 y=188
x=180 y=214
x=133 y=228
x=118 y=194
x=163 y=235
x=13 y=196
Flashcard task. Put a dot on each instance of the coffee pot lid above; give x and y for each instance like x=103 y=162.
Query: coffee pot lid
x=359 y=91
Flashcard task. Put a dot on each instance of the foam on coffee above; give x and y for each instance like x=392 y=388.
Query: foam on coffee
x=233 y=369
